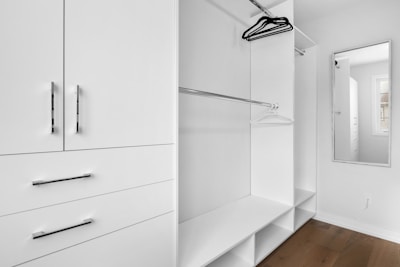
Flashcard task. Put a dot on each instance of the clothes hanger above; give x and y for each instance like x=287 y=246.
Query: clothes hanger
x=271 y=118
x=259 y=30
x=261 y=24
x=273 y=31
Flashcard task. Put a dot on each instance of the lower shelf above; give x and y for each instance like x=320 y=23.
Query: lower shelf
x=205 y=238
x=269 y=239
x=301 y=217
x=230 y=260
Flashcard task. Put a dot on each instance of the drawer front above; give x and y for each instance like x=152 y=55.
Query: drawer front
x=111 y=170
x=109 y=213
x=148 y=244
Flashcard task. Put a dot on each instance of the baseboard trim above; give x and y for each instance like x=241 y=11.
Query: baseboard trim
x=359 y=227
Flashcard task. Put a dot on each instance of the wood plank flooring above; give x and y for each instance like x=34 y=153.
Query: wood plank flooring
x=319 y=244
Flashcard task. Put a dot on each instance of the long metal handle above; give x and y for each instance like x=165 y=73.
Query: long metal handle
x=42 y=182
x=52 y=108
x=78 y=92
x=43 y=234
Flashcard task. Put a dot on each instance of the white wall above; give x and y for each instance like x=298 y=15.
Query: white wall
x=272 y=80
x=342 y=188
x=214 y=135
x=373 y=148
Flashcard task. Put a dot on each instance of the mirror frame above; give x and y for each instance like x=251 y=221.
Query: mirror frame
x=390 y=105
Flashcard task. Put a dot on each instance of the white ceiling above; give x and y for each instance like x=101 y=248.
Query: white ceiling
x=307 y=10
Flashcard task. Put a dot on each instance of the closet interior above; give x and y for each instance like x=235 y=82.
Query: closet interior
x=247 y=134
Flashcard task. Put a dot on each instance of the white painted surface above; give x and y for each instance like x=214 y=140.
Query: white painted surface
x=245 y=250
x=301 y=217
x=110 y=213
x=213 y=57
x=302 y=41
x=272 y=80
x=147 y=244
x=309 y=10
x=214 y=135
x=31 y=53
x=269 y=239
x=305 y=121
x=302 y=195
x=125 y=63
x=230 y=260
x=112 y=170
x=205 y=238
x=342 y=187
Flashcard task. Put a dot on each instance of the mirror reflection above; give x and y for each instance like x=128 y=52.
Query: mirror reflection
x=361 y=105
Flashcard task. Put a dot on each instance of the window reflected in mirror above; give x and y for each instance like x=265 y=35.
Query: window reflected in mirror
x=361 y=105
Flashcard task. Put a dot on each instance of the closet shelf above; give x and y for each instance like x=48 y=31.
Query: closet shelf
x=302 y=41
x=300 y=196
x=269 y=239
x=301 y=217
x=231 y=260
x=207 y=237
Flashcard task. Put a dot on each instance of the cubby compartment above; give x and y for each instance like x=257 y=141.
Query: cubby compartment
x=273 y=235
x=302 y=196
x=304 y=212
x=207 y=237
x=240 y=256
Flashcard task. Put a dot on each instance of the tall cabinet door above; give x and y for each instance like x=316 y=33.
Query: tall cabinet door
x=120 y=73
x=31 y=64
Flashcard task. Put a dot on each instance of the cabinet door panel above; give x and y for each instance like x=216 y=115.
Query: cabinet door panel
x=31 y=57
x=121 y=53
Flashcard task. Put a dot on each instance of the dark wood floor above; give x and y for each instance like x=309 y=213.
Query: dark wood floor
x=318 y=244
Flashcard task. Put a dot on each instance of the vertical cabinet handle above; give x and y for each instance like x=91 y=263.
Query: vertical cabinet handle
x=52 y=108
x=43 y=234
x=78 y=92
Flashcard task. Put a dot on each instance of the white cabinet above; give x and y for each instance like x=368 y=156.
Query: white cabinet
x=121 y=54
x=148 y=244
x=122 y=60
x=109 y=213
x=63 y=175
x=31 y=57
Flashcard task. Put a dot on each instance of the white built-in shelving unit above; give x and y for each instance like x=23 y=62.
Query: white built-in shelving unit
x=240 y=195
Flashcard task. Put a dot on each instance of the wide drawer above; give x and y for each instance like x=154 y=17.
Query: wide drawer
x=148 y=244
x=109 y=213
x=111 y=170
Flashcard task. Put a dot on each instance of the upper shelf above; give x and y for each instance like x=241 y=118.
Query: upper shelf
x=302 y=41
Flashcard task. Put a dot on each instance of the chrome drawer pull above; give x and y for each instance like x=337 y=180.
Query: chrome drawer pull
x=41 y=182
x=52 y=108
x=43 y=234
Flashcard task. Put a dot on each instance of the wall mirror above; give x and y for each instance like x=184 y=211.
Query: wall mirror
x=362 y=104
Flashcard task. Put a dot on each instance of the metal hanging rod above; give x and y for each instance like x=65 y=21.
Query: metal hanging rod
x=263 y=9
x=228 y=98
x=300 y=51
